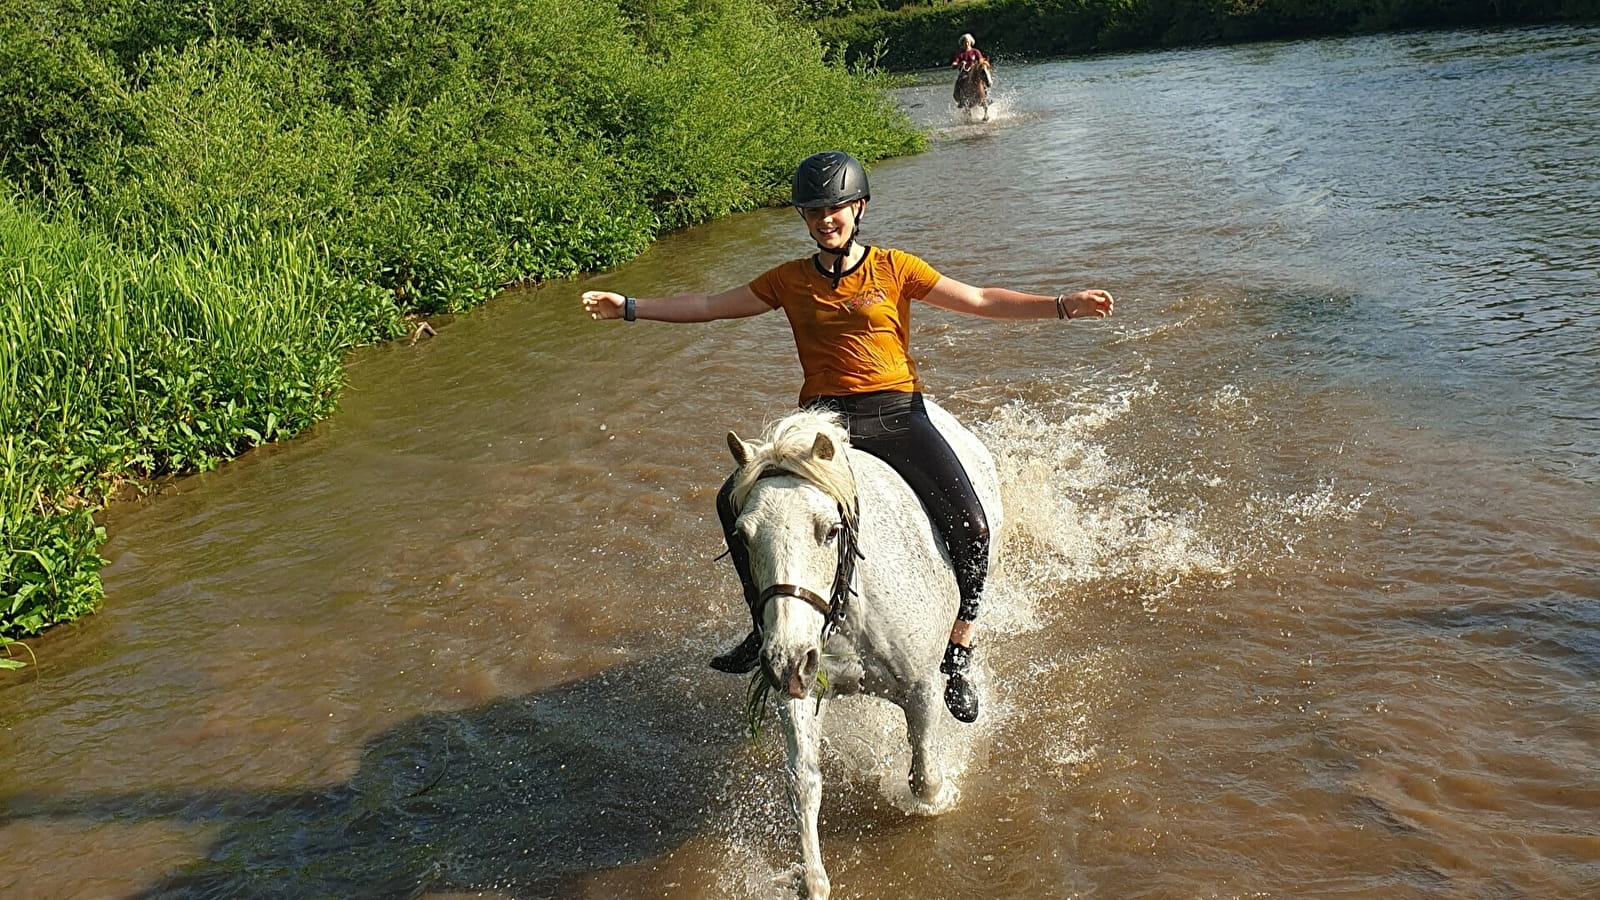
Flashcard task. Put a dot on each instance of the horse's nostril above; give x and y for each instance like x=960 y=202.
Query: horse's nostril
x=803 y=674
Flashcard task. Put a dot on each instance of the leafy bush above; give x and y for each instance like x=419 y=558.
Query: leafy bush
x=209 y=204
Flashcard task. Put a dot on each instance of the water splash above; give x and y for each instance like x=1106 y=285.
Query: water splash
x=1082 y=517
x=1002 y=112
x=1079 y=513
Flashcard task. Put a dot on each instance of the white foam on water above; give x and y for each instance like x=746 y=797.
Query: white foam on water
x=958 y=122
x=1074 y=514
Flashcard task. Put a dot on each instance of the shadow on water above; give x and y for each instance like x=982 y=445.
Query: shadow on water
x=521 y=796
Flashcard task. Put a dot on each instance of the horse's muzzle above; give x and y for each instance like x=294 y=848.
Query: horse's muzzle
x=794 y=675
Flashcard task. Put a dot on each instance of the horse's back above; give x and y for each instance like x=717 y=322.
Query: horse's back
x=906 y=575
x=973 y=83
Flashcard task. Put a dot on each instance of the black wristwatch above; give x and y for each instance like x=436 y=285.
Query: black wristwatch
x=629 y=311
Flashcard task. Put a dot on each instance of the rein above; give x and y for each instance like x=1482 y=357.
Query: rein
x=833 y=609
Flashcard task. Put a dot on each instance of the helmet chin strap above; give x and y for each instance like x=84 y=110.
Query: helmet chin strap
x=839 y=256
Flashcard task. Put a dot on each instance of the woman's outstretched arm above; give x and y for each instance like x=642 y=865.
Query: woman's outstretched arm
x=730 y=304
x=1001 y=303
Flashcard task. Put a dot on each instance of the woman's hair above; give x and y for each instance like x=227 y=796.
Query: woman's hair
x=967 y=39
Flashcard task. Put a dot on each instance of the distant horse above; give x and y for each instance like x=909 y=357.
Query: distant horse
x=854 y=583
x=972 y=88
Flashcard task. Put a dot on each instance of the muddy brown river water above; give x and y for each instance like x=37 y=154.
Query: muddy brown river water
x=1300 y=593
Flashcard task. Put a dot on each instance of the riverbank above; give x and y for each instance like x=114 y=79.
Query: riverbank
x=205 y=210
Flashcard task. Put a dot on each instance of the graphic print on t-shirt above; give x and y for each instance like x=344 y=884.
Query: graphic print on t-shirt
x=866 y=298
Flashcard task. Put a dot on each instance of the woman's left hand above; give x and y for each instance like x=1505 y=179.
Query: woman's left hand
x=1088 y=304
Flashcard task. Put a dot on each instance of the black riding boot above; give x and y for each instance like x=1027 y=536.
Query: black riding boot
x=743 y=659
x=959 y=694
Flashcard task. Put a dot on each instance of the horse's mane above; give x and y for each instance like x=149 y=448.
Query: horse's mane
x=786 y=447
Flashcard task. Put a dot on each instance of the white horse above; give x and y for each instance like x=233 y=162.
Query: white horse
x=855 y=582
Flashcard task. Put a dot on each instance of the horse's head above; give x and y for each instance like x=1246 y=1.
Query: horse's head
x=792 y=494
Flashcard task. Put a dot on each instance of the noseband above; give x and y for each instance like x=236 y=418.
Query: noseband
x=832 y=609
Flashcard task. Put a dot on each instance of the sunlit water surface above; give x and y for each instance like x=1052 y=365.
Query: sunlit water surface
x=1299 y=596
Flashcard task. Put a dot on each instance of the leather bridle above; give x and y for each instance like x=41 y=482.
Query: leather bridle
x=833 y=609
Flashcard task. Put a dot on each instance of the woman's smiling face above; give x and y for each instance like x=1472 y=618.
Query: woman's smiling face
x=832 y=227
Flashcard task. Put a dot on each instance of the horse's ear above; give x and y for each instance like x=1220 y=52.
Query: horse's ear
x=822 y=447
x=742 y=454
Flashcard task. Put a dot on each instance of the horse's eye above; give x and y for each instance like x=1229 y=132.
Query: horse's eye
x=833 y=533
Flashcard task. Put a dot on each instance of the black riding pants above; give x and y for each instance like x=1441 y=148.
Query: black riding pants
x=894 y=426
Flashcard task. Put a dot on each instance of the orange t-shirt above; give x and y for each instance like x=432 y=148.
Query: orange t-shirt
x=856 y=338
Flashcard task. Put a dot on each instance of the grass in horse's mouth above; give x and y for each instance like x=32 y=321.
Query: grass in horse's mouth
x=755 y=699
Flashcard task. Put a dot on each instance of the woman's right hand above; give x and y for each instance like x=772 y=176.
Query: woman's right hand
x=603 y=304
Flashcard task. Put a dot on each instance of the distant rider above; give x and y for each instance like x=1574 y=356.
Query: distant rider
x=968 y=56
x=970 y=60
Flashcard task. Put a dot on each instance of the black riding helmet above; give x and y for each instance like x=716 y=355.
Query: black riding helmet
x=829 y=178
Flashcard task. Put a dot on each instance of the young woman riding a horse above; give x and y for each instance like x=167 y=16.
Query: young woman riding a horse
x=849 y=308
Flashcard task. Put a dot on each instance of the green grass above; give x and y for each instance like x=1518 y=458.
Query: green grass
x=115 y=366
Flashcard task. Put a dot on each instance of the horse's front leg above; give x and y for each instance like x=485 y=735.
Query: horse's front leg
x=802 y=729
x=924 y=711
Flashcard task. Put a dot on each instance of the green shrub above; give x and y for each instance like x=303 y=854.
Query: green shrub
x=214 y=202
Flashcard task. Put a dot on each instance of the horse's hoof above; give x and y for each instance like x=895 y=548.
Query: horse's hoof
x=926 y=791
